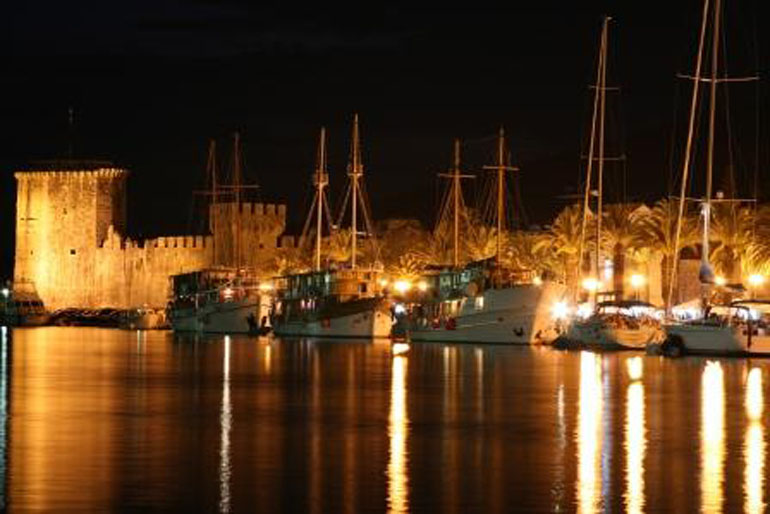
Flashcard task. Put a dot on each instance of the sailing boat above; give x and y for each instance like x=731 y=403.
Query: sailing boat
x=614 y=324
x=743 y=330
x=221 y=298
x=335 y=301
x=483 y=302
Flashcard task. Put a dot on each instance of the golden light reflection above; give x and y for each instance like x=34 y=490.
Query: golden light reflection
x=589 y=434
x=399 y=348
x=712 y=440
x=398 y=486
x=636 y=446
x=635 y=367
x=3 y=410
x=755 y=401
x=754 y=445
x=225 y=421
x=268 y=358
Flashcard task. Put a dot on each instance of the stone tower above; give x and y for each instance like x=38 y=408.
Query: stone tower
x=64 y=212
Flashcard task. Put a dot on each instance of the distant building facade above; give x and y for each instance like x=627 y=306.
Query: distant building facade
x=71 y=242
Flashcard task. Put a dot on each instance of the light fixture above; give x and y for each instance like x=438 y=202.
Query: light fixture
x=402 y=286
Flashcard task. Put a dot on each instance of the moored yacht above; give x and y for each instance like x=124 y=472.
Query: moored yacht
x=219 y=300
x=483 y=303
x=623 y=325
x=743 y=330
x=344 y=302
x=21 y=306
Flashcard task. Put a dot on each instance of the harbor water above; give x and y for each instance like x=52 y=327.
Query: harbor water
x=98 y=420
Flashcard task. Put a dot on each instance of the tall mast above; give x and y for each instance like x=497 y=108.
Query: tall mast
x=602 y=86
x=500 y=168
x=706 y=272
x=237 y=188
x=591 y=149
x=456 y=201
x=321 y=181
x=688 y=152
x=500 y=186
x=212 y=166
x=355 y=173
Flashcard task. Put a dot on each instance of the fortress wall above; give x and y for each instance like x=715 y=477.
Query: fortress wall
x=71 y=245
x=131 y=275
x=260 y=227
x=57 y=222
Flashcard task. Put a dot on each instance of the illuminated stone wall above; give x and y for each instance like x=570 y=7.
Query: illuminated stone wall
x=71 y=244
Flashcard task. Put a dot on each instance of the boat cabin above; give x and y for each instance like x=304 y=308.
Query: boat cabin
x=214 y=285
x=343 y=284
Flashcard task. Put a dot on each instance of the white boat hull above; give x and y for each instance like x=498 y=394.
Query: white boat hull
x=516 y=315
x=219 y=318
x=374 y=323
x=597 y=334
x=713 y=339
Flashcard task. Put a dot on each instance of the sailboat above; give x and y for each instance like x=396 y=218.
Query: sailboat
x=484 y=302
x=742 y=330
x=221 y=298
x=342 y=300
x=615 y=324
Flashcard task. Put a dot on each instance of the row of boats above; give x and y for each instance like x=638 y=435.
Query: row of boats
x=467 y=305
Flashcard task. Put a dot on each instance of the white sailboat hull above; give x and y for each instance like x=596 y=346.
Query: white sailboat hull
x=373 y=323
x=597 y=334
x=521 y=314
x=707 y=339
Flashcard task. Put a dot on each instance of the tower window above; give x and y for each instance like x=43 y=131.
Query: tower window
x=72 y=251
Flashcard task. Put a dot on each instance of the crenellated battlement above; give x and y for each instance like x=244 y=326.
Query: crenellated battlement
x=41 y=174
x=71 y=238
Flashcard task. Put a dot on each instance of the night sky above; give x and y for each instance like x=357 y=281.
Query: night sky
x=151 y=82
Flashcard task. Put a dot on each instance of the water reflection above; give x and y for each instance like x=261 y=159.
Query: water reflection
x=225 y=421
x=712 y=437
x=754 y=445
x=589 y=433
x=3 y=410
x=636 y=438
x=398 y=491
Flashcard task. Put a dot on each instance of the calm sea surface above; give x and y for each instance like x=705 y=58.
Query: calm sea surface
x=108 y=420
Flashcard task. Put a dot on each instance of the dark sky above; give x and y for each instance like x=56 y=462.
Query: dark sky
x=151 y=81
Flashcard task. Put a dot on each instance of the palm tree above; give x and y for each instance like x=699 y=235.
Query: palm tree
x=523 y=251
x=481 y=242
x=562 y=241
x=757 y=255
x=657 y=232
x=733 y=230
x=620 y=223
